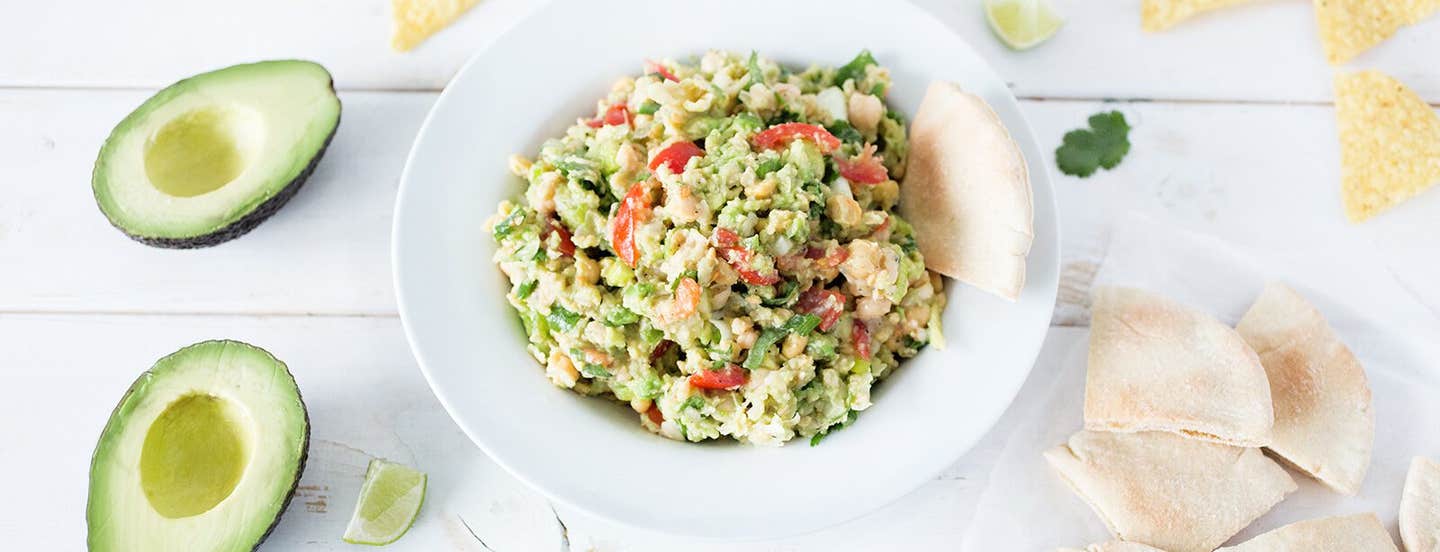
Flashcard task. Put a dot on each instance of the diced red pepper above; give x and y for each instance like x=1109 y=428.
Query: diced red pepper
x=567 y=247
x=860 y=334
x=864 y=168
x=655 y=415
x=633 y=208
x=781 y=135
x=730 y=377
x=829 y=261
x=675 y=156
x=655 y=67
x=727 y=243
x=616 y=115
x=826 y=304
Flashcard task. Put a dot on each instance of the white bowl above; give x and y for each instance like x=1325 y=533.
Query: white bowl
x=592 y=454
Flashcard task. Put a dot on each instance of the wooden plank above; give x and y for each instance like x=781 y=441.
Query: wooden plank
x=326 y=251
x=365 y=398
x=1259 y=176
x=1265 y=51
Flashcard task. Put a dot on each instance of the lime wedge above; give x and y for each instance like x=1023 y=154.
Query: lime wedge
x=389 y=502
x=1022 y=24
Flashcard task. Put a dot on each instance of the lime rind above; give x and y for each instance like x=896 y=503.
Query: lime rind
x=1022 y=24
x=389 y=503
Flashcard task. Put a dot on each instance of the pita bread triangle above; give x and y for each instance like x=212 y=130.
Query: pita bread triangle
x=1157 y=365
x=1420 y=507
x=1324 y=424
x=1169 y=492
x=1357 y=533
x=967 y=192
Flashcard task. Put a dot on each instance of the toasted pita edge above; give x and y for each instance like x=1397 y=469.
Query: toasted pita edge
x=967 y=192
x=1114 y=546
x=1353 y=533
x=1104 y=414
x=1263 y=475
x=1420 y=506
x=1293 y=341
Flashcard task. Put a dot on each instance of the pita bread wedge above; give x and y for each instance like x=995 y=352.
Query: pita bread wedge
x=416 y=20
x=1158 y=15
x=1350 y=27
x=1114 y=546
x=967 y=192
x=1169 y=492
x=1357 y=533
x=1157 y=365
x=1389 y=143
x=1324 y=425
x=1420 y=507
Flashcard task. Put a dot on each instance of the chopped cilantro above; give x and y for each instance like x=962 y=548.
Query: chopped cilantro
x=693 y=402
x=801 y=324
x=841 y=424
x=508 y=224
x=846 y=133
x=562 y=319
x=1102 y=145
x=648 y=108
x=753 y=64
x=855 y=69
x=768 y=166
x=526 y=289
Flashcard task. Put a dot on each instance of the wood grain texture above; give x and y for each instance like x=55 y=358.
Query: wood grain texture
x=1265 y=51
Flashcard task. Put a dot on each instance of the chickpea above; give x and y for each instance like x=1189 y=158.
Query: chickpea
x=561 y=370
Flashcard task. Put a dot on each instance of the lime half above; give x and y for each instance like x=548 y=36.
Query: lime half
x=389 y=502
x=1022 y=24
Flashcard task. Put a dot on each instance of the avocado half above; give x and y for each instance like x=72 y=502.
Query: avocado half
x=202 y=454
x=210 y=157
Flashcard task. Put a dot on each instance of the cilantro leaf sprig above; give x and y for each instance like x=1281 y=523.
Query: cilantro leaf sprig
x=1102 y=145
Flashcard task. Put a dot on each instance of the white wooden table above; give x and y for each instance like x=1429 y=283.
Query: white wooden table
x=1234 y=137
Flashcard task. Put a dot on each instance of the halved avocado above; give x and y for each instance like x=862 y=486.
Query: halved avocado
x=202 y=454
x=210 y=157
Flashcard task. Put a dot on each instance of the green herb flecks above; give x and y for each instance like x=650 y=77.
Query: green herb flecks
x=844 y=423
x=855 y=69
x=562 y=319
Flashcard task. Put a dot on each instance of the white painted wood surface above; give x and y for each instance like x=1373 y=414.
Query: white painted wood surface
x=1234 y=137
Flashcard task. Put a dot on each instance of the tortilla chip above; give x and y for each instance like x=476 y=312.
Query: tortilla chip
x=1158 y=15
x=967 y=192
x=1324 y=424
x=1349 y=27
x=1114 y=546
x=1157 y=365
x=1420 y=506
x=1169 y=492
x=1357 y=533
x=1389 y=143
x=416 y=20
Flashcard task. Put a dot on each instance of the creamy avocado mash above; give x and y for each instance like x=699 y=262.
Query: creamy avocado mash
x=718 y=247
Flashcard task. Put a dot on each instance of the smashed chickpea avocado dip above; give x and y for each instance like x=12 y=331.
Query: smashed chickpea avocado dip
x=718 y=248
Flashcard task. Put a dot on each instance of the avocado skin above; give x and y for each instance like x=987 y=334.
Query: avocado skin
x=249 y=221
x=304 y=445
x=252 y=219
